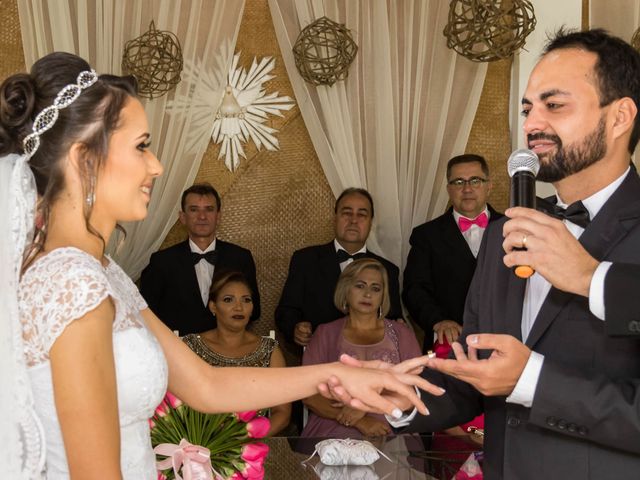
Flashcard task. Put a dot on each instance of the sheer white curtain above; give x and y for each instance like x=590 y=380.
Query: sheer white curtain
x=405 y=109
x=98 y=31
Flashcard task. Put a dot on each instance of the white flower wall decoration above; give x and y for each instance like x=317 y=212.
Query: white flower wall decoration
x=244 y=109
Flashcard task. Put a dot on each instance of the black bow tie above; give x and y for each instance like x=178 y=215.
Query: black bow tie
x=576 y=212
x=343 y=255
x=210 y=257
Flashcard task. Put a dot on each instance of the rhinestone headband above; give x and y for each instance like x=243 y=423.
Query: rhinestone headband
x=47 y=117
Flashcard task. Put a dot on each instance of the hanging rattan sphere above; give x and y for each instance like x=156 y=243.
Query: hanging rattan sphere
x=324 y=51
x=635 y=40
x=488 y=30
x=155 y=59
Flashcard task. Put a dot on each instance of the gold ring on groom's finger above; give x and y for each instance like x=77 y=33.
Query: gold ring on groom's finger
x=346 y=424
x=524 y=241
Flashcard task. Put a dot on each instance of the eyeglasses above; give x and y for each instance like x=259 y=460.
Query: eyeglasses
x=473 y=182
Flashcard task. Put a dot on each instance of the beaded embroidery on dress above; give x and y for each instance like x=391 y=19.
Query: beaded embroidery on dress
x=260 y=357
x=60 y=288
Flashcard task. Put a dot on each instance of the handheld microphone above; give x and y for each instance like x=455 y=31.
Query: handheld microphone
x=523 y=166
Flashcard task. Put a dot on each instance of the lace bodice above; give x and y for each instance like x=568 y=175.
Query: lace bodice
x=63 y=286
x=60 y=288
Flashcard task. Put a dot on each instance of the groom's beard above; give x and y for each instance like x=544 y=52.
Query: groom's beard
x=573 y=158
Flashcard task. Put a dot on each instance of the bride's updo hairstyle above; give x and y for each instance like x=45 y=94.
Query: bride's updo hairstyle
x=89 y=121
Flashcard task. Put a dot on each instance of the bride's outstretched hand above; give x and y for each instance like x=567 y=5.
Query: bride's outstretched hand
x=380 y=389
x=413 y=366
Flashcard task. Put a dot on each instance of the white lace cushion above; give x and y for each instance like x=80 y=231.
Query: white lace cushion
x=347 y=452
x=54 y=292
x=350 y=472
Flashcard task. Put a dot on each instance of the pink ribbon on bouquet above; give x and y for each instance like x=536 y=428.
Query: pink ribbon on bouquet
x=194 y=460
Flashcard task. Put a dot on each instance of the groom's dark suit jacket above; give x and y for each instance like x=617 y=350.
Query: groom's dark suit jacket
x=170 y=286
x=622 y=299
x=307 y=295
x=439 y=270
x=584 y=421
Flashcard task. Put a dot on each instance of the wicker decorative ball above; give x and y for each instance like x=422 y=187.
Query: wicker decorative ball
x=635 y=40
x=324 y=51
x=488 y=30
x=155 y=59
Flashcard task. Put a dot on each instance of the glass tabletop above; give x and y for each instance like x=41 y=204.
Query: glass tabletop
x=419 y=457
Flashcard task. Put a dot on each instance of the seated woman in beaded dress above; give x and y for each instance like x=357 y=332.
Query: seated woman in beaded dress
x=230 y=344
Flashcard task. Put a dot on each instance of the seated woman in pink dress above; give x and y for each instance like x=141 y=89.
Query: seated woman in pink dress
x=230 y=344
x=362 y=293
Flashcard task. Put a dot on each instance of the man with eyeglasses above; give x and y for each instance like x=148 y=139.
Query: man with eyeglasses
x=443 y=252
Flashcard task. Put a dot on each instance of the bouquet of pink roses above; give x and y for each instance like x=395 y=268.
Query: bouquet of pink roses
x=202 y=446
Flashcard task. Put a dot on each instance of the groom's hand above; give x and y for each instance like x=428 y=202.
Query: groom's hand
x=496 y=375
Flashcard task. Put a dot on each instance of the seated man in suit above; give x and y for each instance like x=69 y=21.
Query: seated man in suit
x=443 y=252
x=176 y=282
x=307 y=296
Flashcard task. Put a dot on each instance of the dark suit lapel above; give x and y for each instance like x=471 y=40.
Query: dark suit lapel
x=616 y=218
x=553 y=304
x=329 y=267
x=188 y=272
x=612 y=223
x=493 y=214
x=513 y=310
x=222 y=255
x=454 y=237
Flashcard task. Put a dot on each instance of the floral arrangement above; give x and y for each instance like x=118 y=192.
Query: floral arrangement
x=199 y=446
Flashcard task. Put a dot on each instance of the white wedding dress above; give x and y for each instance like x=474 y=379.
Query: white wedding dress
x=60 y=288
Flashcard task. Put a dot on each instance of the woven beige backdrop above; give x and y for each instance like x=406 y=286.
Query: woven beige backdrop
x=280 y=201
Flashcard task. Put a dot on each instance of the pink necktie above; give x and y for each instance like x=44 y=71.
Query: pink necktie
x=465 y=224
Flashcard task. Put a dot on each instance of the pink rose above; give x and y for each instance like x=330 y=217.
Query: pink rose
x=162 y=409
x=245 y=416
x=253 y=469
x=258 y=427
x=152 y=424
x=172 y=400
x=254 y=451
x=161 y=476
x=236 y=476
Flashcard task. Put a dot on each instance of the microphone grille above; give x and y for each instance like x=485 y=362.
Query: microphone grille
x=521 y=160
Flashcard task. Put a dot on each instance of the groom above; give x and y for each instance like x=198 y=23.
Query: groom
x=560 y=395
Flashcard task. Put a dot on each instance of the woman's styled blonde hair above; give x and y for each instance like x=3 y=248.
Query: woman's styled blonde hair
x=348 y=279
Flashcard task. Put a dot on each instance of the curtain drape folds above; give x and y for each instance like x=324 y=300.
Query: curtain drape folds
x=98 y=32
x=405 y=109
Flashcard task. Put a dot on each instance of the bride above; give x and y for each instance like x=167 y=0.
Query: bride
x=83 y=360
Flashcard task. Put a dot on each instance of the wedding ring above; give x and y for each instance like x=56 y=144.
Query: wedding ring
x=524 y=241
x=346 y=424
x=431 y=354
